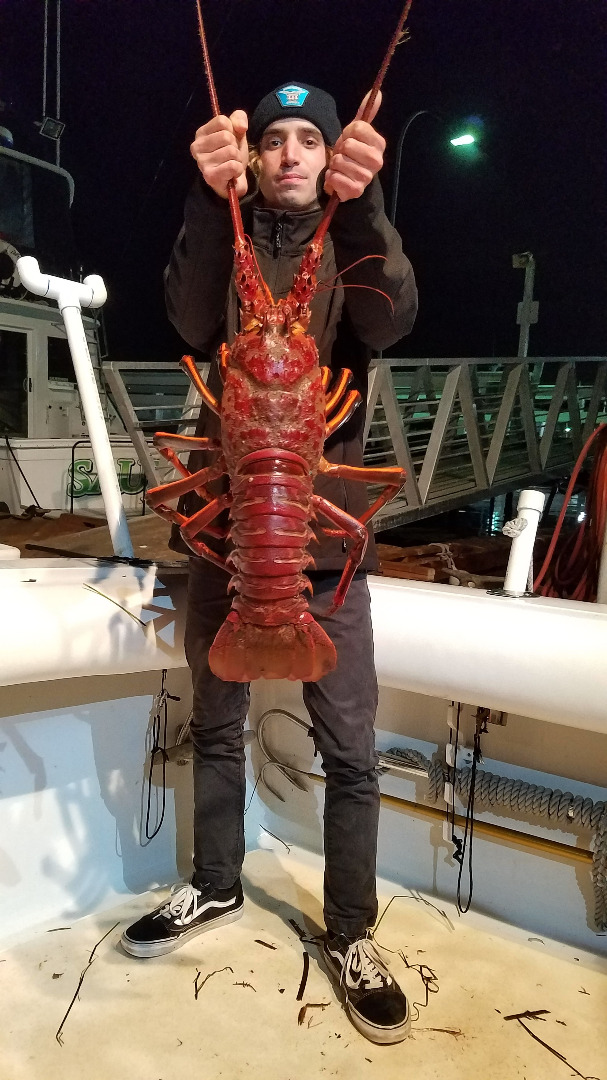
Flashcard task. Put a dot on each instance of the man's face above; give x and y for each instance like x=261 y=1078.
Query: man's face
x=291 y=155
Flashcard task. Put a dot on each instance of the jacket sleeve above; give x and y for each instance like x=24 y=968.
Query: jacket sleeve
x=197 y=278
x=359 y=228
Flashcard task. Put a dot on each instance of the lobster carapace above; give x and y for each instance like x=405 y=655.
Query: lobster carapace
x=277 y=408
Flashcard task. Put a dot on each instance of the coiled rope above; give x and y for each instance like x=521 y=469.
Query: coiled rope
x=522 y=797
x=492 y=790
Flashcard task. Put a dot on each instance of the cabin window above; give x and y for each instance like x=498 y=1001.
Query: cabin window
x=60 y=365
x=13 y=383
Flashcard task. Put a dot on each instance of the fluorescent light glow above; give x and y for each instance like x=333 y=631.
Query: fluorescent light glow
x=463 y=140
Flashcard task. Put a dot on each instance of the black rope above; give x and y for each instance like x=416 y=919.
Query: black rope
x=159 y=723
x=465 y=845
x=455 y=840
x=428 y=977
x=14 y=457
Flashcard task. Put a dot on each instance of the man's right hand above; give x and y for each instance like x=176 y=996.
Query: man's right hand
x=221 y=152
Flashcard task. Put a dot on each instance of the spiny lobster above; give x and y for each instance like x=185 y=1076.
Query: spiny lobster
x=276 y=410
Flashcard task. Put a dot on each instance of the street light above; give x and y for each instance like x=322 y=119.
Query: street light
x=465 y=139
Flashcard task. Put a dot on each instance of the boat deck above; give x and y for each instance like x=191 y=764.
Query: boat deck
x=143 y=1018
x=87 y=537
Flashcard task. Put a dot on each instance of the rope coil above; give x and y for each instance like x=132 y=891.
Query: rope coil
x=522 y=797
x=493 y=790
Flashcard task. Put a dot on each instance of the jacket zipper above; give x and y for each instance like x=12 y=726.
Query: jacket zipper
x=277 y=232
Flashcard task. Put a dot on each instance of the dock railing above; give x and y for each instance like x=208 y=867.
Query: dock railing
x=150 y=398
x=466 y=429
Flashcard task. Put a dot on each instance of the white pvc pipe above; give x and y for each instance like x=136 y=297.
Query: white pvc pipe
x=529 y=509
x=71 y=296
x=533 y=656
x=72 y=618
x=537 y=656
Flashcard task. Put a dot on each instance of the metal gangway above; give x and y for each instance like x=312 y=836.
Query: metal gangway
x=467 y=429
x=464 y=429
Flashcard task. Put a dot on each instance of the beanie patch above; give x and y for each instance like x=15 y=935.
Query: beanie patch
x=296 y=101
x=293 y=96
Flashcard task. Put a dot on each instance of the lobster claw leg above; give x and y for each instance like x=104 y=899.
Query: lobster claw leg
x=351 y=527
x=190 y=482
x=345 y=403
x=392 y=476
x=189 y=366
x=200 y=521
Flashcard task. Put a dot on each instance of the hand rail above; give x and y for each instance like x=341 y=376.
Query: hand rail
x=468 y=428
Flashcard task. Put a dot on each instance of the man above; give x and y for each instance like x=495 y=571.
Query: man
x=295 y=135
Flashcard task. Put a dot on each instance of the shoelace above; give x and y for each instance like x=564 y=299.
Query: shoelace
x=363 y=964
x=182 y=904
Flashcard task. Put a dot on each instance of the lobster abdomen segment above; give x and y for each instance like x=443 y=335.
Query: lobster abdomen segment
x=270 y=632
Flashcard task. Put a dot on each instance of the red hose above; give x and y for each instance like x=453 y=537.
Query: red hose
x=574 y=573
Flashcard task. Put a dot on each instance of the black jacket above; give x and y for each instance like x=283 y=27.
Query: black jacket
x=347 y=323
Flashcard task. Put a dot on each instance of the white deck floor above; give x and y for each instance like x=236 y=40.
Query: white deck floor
x=139 y=1019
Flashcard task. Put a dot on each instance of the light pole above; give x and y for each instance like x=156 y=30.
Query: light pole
x=399 y=151
x=466 y=139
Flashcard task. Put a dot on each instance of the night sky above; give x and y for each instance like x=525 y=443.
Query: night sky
x=133 y=92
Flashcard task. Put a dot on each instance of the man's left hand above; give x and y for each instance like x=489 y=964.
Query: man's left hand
x=358 y=155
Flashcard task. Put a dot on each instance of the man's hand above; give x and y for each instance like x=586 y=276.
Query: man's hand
x=221 y=152
x=358 y=155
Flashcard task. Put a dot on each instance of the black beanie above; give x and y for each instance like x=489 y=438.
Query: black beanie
x=296 y=101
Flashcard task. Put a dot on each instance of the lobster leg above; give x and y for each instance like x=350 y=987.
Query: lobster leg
x=338 y=389
x=224 y=357
x=167 y=444
x=201 y=521
x=335 y=397
x=351 y=403
x=176 y=518
x=191 y=482
x=188 y=365
x=163 y=439
x=349 y=527
x=391 y=475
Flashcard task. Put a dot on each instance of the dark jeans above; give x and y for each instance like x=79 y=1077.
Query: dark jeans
x=342 y=709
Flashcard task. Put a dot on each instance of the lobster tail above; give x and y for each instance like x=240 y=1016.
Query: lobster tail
x=270 y=633
x=244 y=651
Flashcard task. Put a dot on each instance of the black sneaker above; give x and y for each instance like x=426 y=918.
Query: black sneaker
x=187 y=912
x=374 y=1002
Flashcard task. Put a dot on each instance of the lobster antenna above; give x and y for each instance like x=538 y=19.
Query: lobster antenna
x=247 y=282
x=396 y=37
x=381 y=74
x=232 y=196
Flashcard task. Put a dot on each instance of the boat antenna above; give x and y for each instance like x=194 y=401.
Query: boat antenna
x=45 y=78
